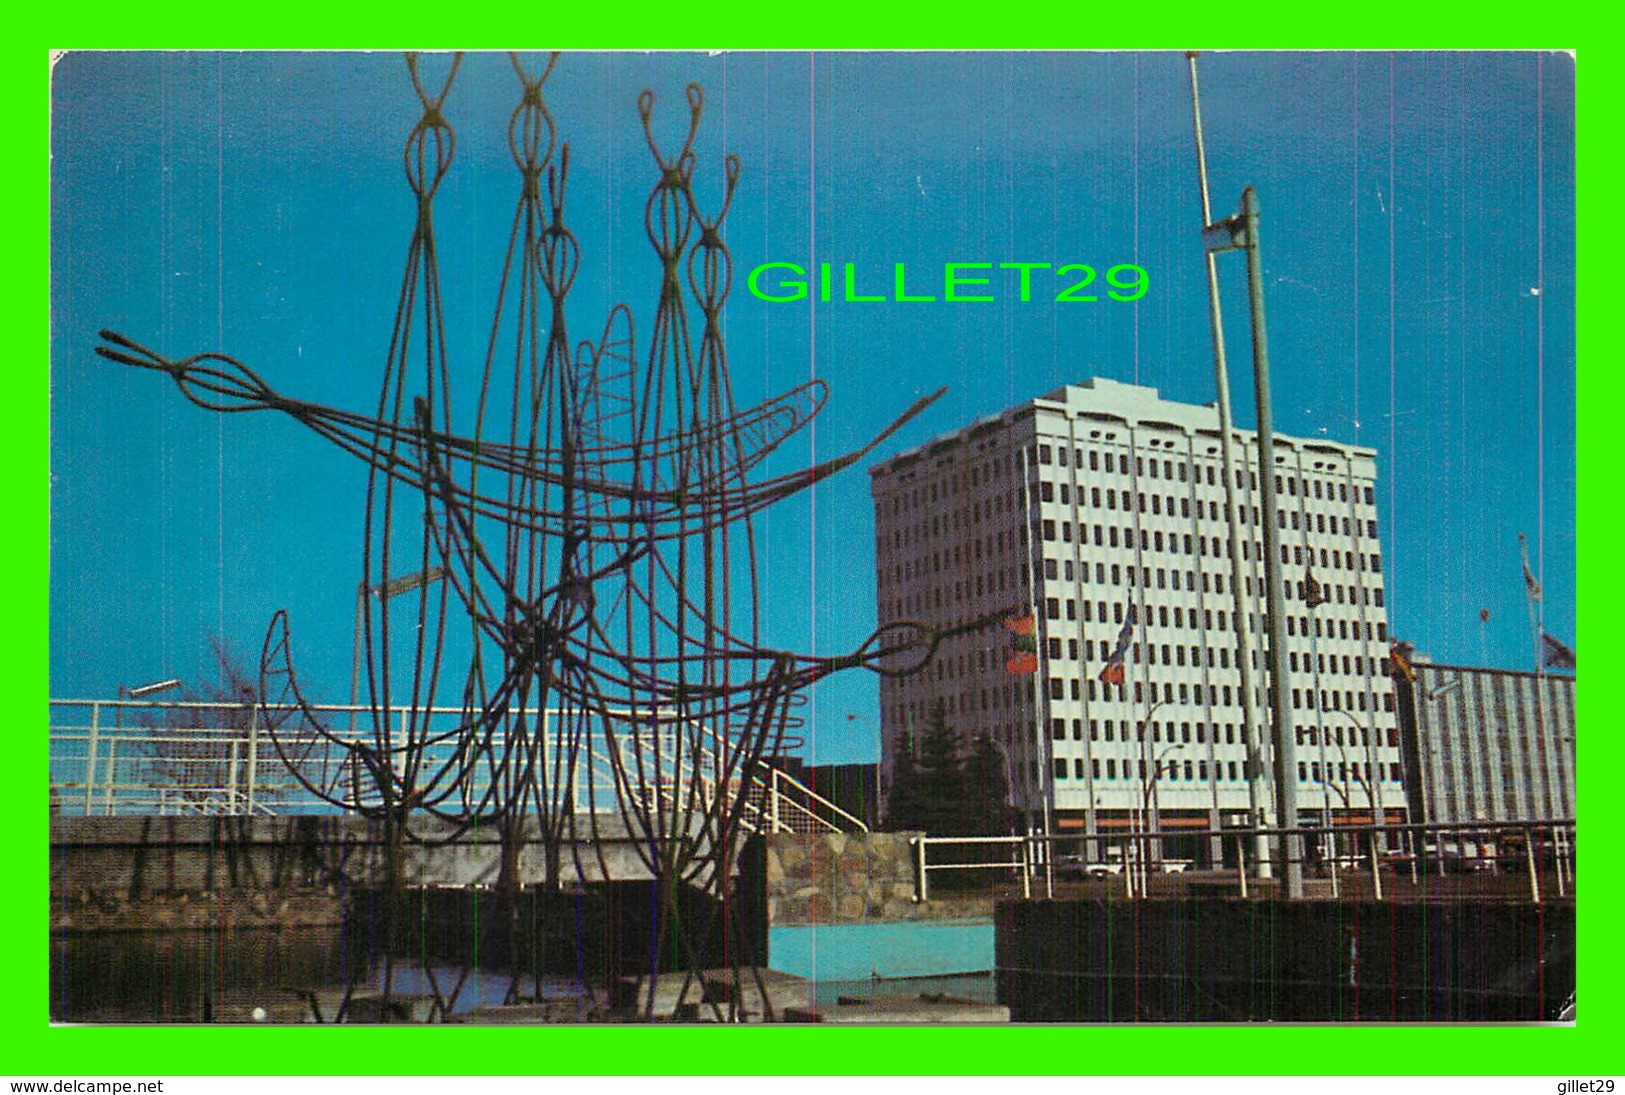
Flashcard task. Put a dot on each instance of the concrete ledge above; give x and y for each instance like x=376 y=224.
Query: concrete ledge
x=135 y=856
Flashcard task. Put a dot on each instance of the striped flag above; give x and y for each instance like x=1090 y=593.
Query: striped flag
x=1112 y=671
x=1023 y=644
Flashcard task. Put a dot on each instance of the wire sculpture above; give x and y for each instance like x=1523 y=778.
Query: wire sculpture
x=593 y=532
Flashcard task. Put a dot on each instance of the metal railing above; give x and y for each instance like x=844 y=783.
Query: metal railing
x=1541 y=851
x=135 y=757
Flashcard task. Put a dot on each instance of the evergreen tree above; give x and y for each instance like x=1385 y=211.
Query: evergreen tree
x=986 y=789
x=937 y=791
x=903 y=797
x=941 y=778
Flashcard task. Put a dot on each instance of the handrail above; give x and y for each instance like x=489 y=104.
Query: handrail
x=1552 y=836
x=789 y=805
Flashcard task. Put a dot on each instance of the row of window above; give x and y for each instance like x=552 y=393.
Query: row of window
x=1220 y=695
x=1113 y=574
x=928 y=530
x=1112 y=462
x=979 y=701
x=1357 y=772
x=1107 y=534
x=973 y=475
x=1160 y=504
x=1182 y=733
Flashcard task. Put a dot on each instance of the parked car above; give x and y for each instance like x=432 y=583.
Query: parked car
x=1080 y=866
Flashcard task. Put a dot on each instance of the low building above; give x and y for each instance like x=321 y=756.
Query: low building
x=1485 y=744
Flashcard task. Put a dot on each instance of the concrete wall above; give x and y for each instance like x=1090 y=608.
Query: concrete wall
x=135 y=856
x=1225 y=960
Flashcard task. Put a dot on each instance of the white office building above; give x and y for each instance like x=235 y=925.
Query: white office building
x=1099 y=511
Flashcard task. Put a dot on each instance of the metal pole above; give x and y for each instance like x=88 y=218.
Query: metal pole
x=112 y=777
x=1376 y=867
x=920 y=889
x=1529 y=857
x=1257 y=799
x=355 y=656
x=90 y=758
x=1286 y=786
x=253 y=755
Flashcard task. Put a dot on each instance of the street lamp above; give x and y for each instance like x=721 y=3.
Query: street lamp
x=383 y=591
x=1157 y=768
x=144 y=690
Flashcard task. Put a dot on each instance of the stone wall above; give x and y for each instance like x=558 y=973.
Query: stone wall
x=851 y=878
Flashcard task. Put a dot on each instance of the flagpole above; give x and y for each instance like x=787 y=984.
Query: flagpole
x=1046 y=784
x=1257 y=799
x=1312 y=600
x=1538 y=626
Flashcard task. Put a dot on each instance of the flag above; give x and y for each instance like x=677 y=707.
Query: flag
x=1112 y=671
x=1023 y=644
x=1402 y=664
x=1530 y=583
x=1314 y=594
x=1528 y=575
x=1558 y=656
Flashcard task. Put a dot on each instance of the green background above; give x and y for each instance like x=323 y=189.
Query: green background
x=33 y=1048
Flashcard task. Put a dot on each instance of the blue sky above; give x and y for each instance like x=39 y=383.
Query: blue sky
x=1418 y=247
